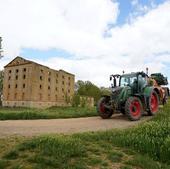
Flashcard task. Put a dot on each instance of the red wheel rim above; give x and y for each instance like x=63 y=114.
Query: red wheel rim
x=154 y=103
x=135 y=108
x=102 y=108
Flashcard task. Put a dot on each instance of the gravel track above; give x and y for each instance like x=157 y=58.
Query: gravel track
x=66 y=126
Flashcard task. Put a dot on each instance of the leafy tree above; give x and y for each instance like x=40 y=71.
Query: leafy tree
x=105 y=91
x=88 y=89
x=1 y=83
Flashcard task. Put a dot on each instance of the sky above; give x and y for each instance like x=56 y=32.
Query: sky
x=89 y=38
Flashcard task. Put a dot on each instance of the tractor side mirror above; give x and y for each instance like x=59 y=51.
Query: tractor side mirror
x=110 y=78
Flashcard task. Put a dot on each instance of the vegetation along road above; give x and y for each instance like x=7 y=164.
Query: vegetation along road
x=144 y=146
x=73 y=125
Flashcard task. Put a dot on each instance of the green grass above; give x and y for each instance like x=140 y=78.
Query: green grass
x=146 y=146
x=49 y=113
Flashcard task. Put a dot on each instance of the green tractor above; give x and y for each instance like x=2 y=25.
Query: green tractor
x=131 y=95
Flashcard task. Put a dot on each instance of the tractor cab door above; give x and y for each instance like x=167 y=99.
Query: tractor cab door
x=142 y=82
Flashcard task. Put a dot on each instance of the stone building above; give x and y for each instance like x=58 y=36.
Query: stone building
x=30 y=84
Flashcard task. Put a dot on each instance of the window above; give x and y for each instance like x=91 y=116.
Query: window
x=56 y=81
x=16 y=77
x=9 y=86
x=40 y=86
x=40 y=77
x=57 y=75
x=49 y=73
x=24 y=76
x=41 y=71
x=68 y=78
x=63 y=76
x=9 y=71
x=16 y=86
x=24 y=70
x=23 y=85
x=69 y=83
x=68 y=90
x=48 y=87
x=17 y=70
x=9 y=77
x=63 y=82
x=63 y=89
x=56 y=88
x=49 y=79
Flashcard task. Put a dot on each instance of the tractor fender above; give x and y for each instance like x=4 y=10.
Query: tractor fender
x=149 y=90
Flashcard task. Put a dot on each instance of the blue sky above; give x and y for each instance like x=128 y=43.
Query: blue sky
x=91 y=40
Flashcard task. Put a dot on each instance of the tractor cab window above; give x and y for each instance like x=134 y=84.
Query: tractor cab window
x=142 y=81
x=128 y=81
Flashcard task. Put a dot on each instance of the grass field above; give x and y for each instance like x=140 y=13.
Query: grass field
x=49 y=113
x=146 y=146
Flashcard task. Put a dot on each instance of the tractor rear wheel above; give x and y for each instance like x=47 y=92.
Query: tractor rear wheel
x=102 y=109
x=133 y=108
x=153 y=103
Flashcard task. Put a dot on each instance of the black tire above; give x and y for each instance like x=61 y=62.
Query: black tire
x=153 y=103
x=104 y=112
x=133 y=108
x=122 y=111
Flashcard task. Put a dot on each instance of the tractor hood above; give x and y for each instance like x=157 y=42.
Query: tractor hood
x=121 y=92
x=116 y=92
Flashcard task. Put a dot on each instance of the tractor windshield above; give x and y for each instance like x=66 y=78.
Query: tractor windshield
x=127 y=80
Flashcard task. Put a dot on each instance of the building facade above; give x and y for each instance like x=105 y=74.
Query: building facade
x=29 y=84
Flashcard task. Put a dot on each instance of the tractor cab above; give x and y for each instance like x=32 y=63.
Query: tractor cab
x=136 y=81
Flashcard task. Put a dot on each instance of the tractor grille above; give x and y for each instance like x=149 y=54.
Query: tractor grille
x=116 y=92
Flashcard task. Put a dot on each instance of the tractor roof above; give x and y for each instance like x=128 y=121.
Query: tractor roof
x=133 y=74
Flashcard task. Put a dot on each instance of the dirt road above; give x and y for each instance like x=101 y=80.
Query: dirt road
x=37 y=127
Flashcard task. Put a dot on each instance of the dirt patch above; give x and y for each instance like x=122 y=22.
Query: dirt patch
x=67 y=126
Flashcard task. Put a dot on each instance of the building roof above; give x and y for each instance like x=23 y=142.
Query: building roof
x=21 y=61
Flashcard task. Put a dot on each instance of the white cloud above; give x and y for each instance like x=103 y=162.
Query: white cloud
x=78 y=27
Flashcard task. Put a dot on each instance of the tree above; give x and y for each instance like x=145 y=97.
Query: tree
x=88 y=89
x=105 y=91
x=1 y=83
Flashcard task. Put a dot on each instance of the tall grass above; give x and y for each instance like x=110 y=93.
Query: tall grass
x=49 y=113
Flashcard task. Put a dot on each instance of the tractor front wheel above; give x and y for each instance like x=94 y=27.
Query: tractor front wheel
x=102 y=108
x=133 y=108
x=153 y=103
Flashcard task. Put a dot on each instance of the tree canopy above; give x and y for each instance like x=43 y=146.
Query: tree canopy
x=89 y=89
